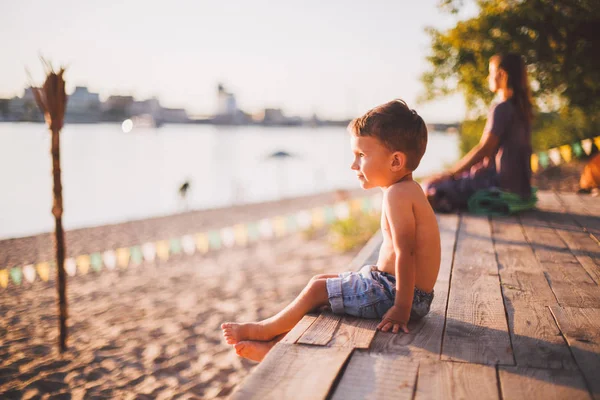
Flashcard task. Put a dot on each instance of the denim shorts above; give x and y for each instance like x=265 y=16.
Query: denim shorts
x=370 y=293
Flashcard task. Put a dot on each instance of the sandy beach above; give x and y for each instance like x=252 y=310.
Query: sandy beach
x=152 y=331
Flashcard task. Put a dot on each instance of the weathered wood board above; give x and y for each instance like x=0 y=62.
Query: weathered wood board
x=294 y=372
x=455 y=380
x=547 y=384
x=581 y=327
x=476 y=325
x=377 y=376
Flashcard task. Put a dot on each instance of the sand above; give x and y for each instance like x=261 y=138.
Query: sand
x=152 y=331
x=562 y=178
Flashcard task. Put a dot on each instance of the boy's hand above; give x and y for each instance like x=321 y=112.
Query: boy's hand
x=392 y=320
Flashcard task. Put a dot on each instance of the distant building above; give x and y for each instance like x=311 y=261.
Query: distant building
x=174 y=115
x=314 y=120
x=273 y=116
x=4 y=114
x=117 y=108
x=151 y=107
x=83 y=106
x=149 y=111
x=226 y=103
x=16 y=109
x=227 y=109
x=24 y=108
x=276 y=117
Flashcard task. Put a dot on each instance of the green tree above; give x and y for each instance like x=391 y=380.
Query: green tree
x=560 y=40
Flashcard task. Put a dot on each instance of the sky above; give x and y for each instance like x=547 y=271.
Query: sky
x=334 y=58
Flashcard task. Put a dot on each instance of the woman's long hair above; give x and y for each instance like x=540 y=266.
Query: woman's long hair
x=514 y=66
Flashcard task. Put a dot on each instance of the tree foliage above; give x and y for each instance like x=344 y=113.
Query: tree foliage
x=560 y=40
x=549 y=130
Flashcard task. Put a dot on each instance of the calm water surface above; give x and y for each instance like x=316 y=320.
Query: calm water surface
x=110 y=176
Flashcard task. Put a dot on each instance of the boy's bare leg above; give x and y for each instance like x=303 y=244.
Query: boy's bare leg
x=255 y=350
x=314 y=295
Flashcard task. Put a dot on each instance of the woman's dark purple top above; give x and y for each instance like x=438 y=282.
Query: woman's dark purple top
x=513 y=159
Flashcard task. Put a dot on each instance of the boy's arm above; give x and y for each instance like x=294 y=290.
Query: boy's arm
x=401 y=221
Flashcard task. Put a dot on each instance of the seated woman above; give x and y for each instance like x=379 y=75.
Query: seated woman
x=502 y=157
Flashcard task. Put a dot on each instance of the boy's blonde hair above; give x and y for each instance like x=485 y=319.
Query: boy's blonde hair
x=397 y=127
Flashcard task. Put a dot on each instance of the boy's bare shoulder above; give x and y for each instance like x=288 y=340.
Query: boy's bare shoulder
x=404 y=192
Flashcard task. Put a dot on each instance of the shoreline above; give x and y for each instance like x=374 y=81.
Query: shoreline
x=40 y=247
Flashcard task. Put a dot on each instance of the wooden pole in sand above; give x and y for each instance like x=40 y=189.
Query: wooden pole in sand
x=52 y=100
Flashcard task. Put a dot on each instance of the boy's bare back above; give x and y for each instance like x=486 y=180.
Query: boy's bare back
x=406 y=199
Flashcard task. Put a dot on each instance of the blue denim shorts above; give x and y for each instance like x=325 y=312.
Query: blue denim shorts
x=369 y=293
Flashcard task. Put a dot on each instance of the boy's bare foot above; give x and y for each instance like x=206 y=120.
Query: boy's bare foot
x=235 y=333
x=253 y=350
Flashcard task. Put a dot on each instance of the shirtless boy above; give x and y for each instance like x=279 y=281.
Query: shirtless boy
x=388 y=143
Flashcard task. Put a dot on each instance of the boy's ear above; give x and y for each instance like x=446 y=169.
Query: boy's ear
x=398 y=161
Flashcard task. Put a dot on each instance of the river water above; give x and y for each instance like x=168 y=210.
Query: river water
x=110 y=176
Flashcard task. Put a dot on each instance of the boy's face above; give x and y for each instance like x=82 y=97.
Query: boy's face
x=372 y=162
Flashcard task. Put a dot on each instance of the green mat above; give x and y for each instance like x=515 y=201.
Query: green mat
x=495 y=202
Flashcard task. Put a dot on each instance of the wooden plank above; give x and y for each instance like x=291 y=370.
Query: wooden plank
x=450 y=380
x=589 y=205
x=476 y=326
x=354 y=332
x=572 y=285
x=591 y=264
x=292 y=336
x=425 y=337
x=291 y=371
x=377 y=376
x=547 y=384
x=536 y=340
x=521 y=275
x=549 y=202
x=585 y=249
x=581 y=327
x=547 y=245
x=584 y=246
x=570 y=282
x=586 y=215
x=321 y=331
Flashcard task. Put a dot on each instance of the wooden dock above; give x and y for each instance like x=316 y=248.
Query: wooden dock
x=516 y=315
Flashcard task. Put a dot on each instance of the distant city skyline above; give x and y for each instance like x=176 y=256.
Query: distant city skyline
x=333 y=59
